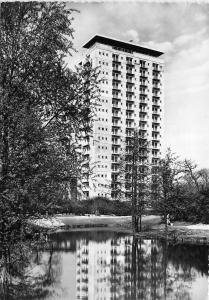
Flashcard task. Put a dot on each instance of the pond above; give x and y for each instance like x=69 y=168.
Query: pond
x=105 y=265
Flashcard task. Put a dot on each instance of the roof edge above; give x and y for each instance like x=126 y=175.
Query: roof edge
x=122 y=44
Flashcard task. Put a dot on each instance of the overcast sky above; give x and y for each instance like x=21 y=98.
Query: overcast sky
x=182 y=32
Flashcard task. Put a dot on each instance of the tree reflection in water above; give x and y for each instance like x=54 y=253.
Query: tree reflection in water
x=111 y=265
x=26 y=272
x=167 y=272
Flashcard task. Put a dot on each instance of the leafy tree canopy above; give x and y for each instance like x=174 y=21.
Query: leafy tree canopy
x=44 y=108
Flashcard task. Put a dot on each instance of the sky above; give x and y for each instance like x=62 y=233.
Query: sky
x=181 y=31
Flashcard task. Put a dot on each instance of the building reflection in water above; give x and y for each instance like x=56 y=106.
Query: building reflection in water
x=99 y=265
x=126 y=268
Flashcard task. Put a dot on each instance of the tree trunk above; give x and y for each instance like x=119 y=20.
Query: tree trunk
x=133 y=196
x=140 y=222
x=5 y=153
x=133 y=272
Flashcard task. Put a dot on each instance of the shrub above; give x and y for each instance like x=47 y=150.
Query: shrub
x=96 y=205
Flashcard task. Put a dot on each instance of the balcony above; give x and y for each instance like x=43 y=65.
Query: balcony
x=143 y=112
x=129 y=97
x=143 y=92
x=155 y=115
x=129 y=72
x=143 y=69
x=155 y=162
x=130 y=107
x=156 y=95
x=115 y=123
x=156 y=75
x=115 y=87
x=116 y=142
x=156 y=136
x=156 y=147
x=155 y=131
x=156 y=122
x=156 y=111
x=116 y=61
x=116 y=105
x=143 y=130
x=143 y=101
x=155 y=91
x=155 y=84
x=129 y=62
x=155 y=99
x=155 y=107
x=129 y=91
x=155 y=153
x=156 y=103
x=155 y=127
x=143 y=76
x=115 y=170
x=115 y=150
x=116 y=69
x=116 y=78
x=130 y=125
x=142 y=134
x=116 y=97
x=130 y=81
x=115 y=115
x=129 y=150
x=130 y=117
x=115 y=133
x=156 y=78
x=86 y=156
x=85 y=178
x=156 y=68
x=143 y=84
x=143 y=106
x=115 y=157
x=129 y=134
x=142 y=115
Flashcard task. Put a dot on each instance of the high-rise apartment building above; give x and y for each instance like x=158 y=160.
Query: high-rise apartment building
x=131 y=98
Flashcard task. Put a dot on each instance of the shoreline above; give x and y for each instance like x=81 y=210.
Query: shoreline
x=152 y=228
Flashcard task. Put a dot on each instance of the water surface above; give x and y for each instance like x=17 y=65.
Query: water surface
x=102 y=265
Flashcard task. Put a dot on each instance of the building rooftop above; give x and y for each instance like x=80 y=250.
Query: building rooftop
x=121 y=44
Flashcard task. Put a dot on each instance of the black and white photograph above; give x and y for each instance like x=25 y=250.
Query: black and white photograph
x=104 y=150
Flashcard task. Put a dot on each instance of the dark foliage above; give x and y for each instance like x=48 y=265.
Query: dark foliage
x=44 y=108
x=188 y=257
x=97 y=205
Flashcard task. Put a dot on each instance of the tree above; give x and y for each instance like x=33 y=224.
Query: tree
x=45 y=108
x=196 y=192
x=166 y=183
x=134 y=173
x=140 y=178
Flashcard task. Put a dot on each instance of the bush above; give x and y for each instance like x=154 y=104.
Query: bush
x=96 y=205
x=189 y=207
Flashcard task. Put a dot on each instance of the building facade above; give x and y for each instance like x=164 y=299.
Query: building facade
x=131 y=98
